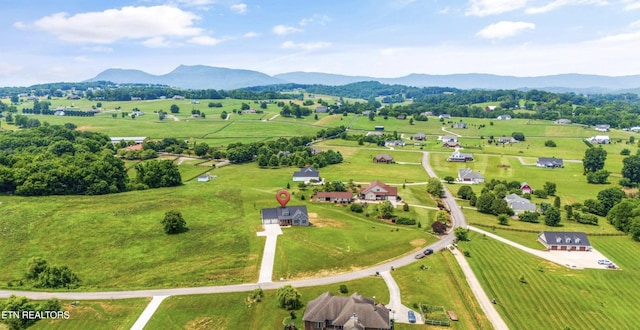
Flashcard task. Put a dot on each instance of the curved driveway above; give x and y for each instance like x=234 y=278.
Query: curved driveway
x=459 y=221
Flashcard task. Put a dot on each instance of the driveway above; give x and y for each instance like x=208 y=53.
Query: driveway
x=398 y=311
x=271 y=231
x=574 y=260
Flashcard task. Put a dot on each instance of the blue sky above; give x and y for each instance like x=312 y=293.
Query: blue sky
x=74 y=40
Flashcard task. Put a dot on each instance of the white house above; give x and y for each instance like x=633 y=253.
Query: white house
x=603 y=128
x=504 y=117
x=600 y=139
x=468 y=175
x=306 y=174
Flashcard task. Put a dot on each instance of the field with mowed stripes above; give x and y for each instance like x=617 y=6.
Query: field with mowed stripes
x=532 y=293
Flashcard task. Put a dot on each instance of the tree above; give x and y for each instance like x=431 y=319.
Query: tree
x=174 y=108
x=465 y=192
x=503 y=219
x=500 y=206
x=621 y=214
x=527 y=216
x=485 y=202
x=201 y=149
x=552 y=217
x=449 y=179
x=288 y=298
x=35 y=266
x=173 y=222
x=372 y=115
x=435 y=188
x=461 y=234
x=549 y=188
x=594 y=159
x=610 y=197
x=156 y=174
x=518 y=136
x=625 y=152
x=598 y=177
x=631 y=168
x=223 y=115
x=556 y=202
x=438 y=227
x=357 y=208
x=386 y=210
x=550 y=143
x=343 y=289
x=442 y=216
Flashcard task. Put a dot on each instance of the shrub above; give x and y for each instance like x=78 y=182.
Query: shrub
x=550 y=143
x=625 y=152
x=405 y=221
x=540 y=193
x=357 y=208
x=343 y=289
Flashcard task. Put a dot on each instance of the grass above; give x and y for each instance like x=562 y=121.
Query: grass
x=440 y=282
x=229 y=310
x=111 y=314
x=554 y=296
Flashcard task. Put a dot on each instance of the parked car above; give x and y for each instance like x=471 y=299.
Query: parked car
x=412 y=317
x=428 y=252
x=604 y=262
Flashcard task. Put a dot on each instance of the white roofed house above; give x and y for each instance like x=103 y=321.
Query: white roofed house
x=457 y=156
x=468 y=175
x=519 y=204
x=504 y=117
x=600 y=139
x=603 y=128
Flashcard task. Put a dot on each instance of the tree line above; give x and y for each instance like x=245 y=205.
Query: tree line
x=59 y=160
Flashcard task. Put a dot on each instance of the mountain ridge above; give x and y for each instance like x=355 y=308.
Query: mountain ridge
x=209 y=77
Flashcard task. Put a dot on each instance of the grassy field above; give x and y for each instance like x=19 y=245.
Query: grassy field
x=112 y=314
x=438 y=280
x=230 y=311
x=554 y=296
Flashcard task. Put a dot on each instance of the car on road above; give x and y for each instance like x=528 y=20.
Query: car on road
x=420 y=255
x=428 y=252
x=424 y=253
x=604 y=262
x=412 y=317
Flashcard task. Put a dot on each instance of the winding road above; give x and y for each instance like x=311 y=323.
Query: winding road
x=459 y=221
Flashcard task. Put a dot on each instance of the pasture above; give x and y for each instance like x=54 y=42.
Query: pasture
x=99 y=314
x=555 y=296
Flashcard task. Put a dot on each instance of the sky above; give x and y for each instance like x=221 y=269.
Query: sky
x=74 y=40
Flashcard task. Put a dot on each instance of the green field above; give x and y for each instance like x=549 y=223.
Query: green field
x=554 y=296
x=230 y=311
x=112 y=314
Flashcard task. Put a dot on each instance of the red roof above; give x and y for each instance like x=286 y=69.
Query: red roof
x=390 y=191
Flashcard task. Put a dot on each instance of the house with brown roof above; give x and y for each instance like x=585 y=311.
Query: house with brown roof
x=334 y=196
x=377 y=190
x=383 y=158
x=353 y=312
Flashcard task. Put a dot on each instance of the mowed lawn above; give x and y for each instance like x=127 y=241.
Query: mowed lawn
x=100 y=314
x=555 y=297
x=231 y=311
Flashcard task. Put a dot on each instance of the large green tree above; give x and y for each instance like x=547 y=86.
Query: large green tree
x=435 y=187
x=552 y=217
x=594 y=159
x=485 y=202
x=288 y=298
x=610 y=197
x=386 y=209
x=631 y=168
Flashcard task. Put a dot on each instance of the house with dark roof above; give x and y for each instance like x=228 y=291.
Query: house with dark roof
x=564 y=241
x=468 y=175
x=519 y=204
x=603 y=128
x=419 y=137
x=322 y=109
x=286 y=216
x=383 y=159
x=377 y=190
x=457 y=156
x=550 y=162
x=345 y=313
x=334 y=196
x=306 y=174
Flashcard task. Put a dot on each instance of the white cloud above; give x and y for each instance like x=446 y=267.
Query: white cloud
x=631 y=5
x=81 y=59
x=156 y=42
x=251 y=34
x=205 y=40
x=99 y=49
x=493 y=7
x=505 y=29
x=561 y=3
x=197 y=2
x=621 y=38
x=305 y=46
x=152 y=23
x=19 y=25
x=316 y=18
x=285 y=29
x=239 y=8
x=635 y=25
